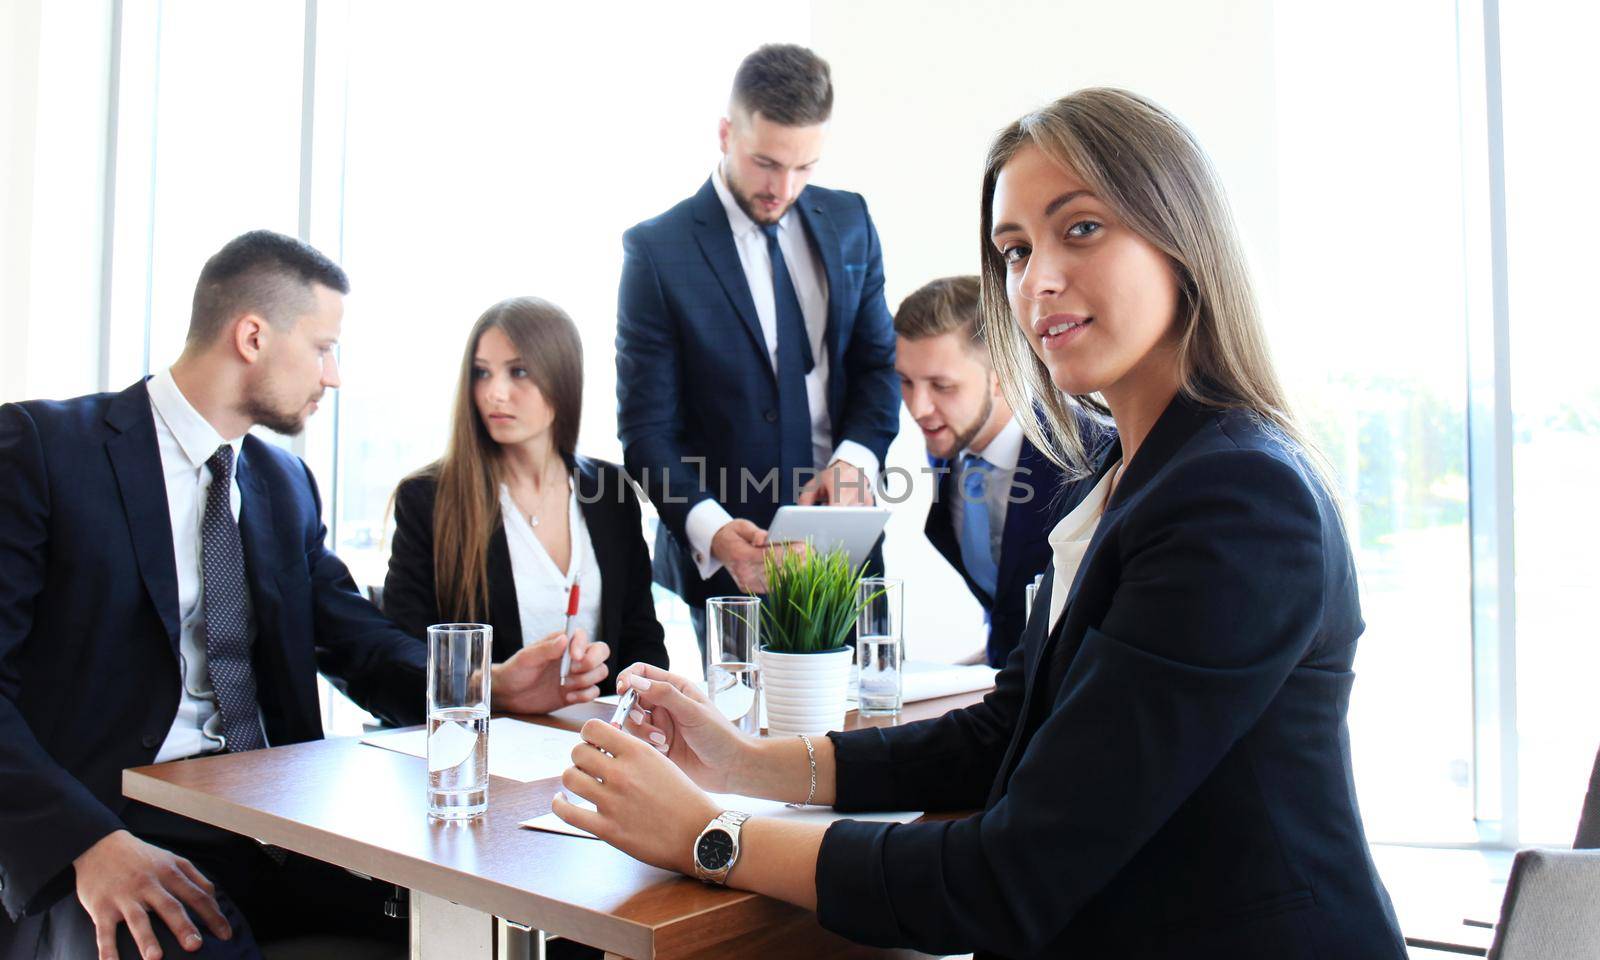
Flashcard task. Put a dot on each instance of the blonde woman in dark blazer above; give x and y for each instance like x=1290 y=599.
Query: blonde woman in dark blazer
x=1163 y=769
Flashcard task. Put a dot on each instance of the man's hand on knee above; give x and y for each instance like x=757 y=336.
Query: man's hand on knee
x=122 y=879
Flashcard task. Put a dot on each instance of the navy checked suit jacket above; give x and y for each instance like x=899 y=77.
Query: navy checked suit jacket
x=697 y=398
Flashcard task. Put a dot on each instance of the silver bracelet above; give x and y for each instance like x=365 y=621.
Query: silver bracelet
x=811 y=758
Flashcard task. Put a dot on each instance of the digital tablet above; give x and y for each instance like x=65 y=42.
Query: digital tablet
x=854 y=528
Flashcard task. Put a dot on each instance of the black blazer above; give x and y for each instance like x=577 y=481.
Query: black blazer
x=1165 y=775
x=1038 y=490
x=628 y=621
x=89 y=678
x=694 y=379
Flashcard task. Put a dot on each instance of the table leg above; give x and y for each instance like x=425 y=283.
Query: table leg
x=444 y=930
x=513 y=941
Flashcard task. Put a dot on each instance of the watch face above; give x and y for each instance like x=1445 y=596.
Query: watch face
x=715 y=850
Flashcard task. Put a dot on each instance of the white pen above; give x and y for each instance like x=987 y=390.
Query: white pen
x=623 y=706
x=572 y=612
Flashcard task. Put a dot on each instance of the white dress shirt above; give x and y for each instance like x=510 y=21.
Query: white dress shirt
x=1069 y=541
x=541 y=585
x=186 y=441
x=1002 y=454
x=811 y=287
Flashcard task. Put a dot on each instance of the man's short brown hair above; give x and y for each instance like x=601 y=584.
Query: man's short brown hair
x=946 y=305
x=785 y=83
x=261 y=272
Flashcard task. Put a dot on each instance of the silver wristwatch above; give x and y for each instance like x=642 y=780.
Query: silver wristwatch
x=716 y=850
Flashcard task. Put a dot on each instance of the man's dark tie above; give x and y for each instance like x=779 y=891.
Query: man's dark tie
x=794 y=362
x=228 y=660
x=791 y=321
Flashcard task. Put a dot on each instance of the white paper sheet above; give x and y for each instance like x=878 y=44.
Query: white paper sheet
x=923 y=680
x=518 y=750
x=550 y=823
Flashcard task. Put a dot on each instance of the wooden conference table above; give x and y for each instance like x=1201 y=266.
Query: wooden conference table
x=487 y=888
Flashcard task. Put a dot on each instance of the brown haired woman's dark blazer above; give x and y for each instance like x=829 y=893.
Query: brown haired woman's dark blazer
x=610 y=507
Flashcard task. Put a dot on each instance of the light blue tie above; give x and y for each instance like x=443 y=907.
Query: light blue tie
x=977 y=554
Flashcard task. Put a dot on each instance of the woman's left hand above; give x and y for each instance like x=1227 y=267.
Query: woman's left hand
x=645 y=806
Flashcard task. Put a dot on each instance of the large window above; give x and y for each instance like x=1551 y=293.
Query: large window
x=1555 y=400
x=208 y=147
x=1368 y=330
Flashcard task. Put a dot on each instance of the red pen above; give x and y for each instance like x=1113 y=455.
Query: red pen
x=572 y=611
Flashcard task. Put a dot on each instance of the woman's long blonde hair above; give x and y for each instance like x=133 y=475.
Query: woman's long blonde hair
x=467 y=503
x=1147 y=167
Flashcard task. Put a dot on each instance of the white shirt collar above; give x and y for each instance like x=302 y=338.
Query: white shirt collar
x=1005 y=449
x=737 y=219
x=1078 y=525
x=1069 y=542
x=195 y=435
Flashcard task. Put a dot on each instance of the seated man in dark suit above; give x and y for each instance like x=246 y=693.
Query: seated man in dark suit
x=995 y=496
x=165 y=593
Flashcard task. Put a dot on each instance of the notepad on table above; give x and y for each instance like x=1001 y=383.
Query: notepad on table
x=550 y=823
x=518 y=750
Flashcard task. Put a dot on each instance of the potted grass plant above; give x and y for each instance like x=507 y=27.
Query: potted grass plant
x=808 y=622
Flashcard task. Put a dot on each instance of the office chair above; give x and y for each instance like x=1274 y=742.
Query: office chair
x=1588 y=837
x=1549 y=912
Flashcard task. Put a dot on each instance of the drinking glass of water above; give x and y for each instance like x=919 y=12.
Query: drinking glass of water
x=733 y=682
x=458 y=720
x=880 y=647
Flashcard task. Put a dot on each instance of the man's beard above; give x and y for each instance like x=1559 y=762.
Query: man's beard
x=746 y=203
x=964 y=439
x=262 y=412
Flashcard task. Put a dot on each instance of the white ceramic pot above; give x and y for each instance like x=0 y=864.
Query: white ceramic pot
x=805 y=692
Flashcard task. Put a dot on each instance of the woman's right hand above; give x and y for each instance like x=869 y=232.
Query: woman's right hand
x=529 y=681
x=674 y=716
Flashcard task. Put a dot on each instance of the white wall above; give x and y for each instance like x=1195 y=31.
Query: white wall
x=920 y=90
x=53 y=100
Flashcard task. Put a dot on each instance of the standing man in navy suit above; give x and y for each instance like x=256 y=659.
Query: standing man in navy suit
x=755 y=353
x=165 y=593
x=995 y=497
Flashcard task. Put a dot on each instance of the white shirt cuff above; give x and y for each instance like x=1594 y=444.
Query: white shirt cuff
x=861 y=458
x=704 y=520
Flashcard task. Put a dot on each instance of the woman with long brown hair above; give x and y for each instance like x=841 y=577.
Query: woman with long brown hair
x=511 y=524
x=1163 y=769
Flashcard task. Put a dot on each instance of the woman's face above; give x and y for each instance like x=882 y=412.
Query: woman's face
x=1095 y=299
x=512 y=407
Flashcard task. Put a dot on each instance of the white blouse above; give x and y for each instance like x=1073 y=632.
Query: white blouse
x=1069 y=541
x=541 y=585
